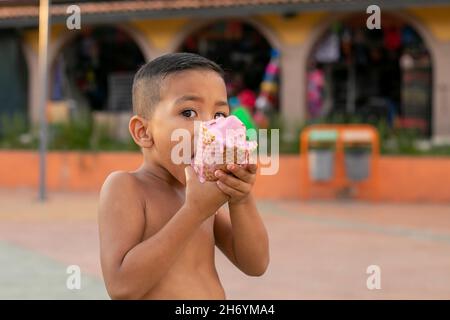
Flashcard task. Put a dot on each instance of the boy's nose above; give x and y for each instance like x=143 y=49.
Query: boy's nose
x=207 y=117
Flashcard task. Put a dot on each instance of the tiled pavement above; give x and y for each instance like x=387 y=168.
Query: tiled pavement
x=318 y=250
x=29 y=275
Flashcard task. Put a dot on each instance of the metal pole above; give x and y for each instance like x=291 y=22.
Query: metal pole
x=44 y=22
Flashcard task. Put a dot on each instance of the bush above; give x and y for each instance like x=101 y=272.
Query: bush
x=76 y=134
x=16 y=134
x=80 y=133
x=289 y=142
x=102 y=140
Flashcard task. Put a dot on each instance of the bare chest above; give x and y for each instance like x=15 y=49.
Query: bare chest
x=201 y=243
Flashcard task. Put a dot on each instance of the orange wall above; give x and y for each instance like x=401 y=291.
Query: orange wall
x=66 y=171
x=401 y=178
x=414 y=178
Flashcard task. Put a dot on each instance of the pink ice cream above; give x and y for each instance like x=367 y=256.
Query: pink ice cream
x=220 y=142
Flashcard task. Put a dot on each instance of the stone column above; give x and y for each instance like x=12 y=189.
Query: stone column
x=441 y=93
x=31 y=59
x=292 y=85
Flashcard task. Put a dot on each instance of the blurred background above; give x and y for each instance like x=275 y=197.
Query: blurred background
x=363 y=114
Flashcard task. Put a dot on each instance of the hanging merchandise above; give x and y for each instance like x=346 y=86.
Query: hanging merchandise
x=271 y=72
x=263 y=103
x=121 y=37
x=233 y=30
x=269 y=85
x=376 y=54
x=191 y=44
x=392 y=38
x=244 y=115
x=336 y=27
x=328 y=50
x=58 y=93
x=247 y=99
x=316 y=83
x=360 y=48
x=234 y=84
x=234 y=102
x=409 y=36
x=203 y=46
x=424 y=60
x=217 y=29
x=261 y=120
x=86 y=45
x=406 y=61
x=346 y=43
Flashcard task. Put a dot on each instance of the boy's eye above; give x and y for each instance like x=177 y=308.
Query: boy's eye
x=189 y=113
x=220 y=114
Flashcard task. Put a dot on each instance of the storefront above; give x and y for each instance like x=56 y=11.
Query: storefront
x=96 y=69
x=250 y=63
x=13 y=77
x=373 y=75
x=400 y=74
x=92 y=77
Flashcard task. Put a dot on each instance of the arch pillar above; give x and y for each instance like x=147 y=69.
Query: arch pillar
x=441 y=94
x=292 y=82
x=31 y=58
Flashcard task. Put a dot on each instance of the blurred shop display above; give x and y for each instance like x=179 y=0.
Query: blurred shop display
x=120 y=86
x=94 y=71
x=416 y=93
x=382 y=74
x=250 y=64
x=13 y=76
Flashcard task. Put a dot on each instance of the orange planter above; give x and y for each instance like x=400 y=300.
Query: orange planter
x=400 y=178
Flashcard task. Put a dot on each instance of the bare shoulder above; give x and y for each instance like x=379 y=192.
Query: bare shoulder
x=120 y=188
x=119 y=180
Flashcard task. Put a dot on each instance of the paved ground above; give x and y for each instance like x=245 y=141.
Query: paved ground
x=318 y=250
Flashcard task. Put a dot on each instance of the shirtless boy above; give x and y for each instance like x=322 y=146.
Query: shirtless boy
x=159 y=224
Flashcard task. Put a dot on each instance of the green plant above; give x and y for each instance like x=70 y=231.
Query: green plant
x=288 y=135
x=15 y=133
x=75 y=134
x=103 y=140
x=82 y=133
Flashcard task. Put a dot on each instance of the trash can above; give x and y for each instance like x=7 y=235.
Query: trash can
x=357 y=161
x=321 y=154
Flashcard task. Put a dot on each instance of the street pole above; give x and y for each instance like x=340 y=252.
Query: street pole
x=44 y=21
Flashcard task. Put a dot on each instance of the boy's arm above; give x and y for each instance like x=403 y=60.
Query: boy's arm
x=131 y=267
x=242 y=237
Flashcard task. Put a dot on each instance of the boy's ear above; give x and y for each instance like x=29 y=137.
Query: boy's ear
x=140 y=132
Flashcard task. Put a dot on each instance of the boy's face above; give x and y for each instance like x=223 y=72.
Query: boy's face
x=185 y=97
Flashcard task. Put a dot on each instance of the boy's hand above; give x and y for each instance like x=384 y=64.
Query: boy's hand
x=205 y=198
x=238 y=184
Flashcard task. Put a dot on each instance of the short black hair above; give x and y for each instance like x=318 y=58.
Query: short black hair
x=148 y=79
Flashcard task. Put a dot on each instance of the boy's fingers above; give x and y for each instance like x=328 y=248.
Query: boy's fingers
x=228 y=179
x=252 y=168
x=233 y=182
x=228 y=190
x=190 y=173
x=240 y=172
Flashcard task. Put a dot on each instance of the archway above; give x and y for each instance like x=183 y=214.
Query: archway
x=250 y=61
x=91 y=80
x=13 y=78
x=95 y=69
x=373 y=74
